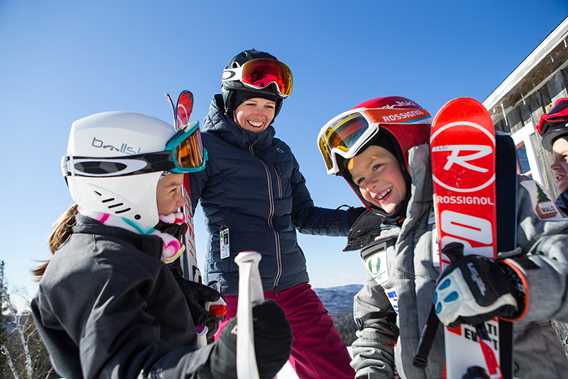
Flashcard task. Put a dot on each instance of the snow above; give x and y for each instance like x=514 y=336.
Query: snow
x=288 y=372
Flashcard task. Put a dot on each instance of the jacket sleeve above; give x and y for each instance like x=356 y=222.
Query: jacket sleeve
x=543 y=265
x=197 y=182
x=107 y=316
x=373 y=350
x=310 y=219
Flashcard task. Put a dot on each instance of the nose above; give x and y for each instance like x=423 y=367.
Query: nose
x=179 y=200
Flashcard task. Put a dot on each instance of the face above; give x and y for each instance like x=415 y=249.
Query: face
x=560 y=165
x=169 y=193
x=378 y=175
x=255 y=114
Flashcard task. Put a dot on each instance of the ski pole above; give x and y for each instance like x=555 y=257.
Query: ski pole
x=454 y=253
x=250 y=294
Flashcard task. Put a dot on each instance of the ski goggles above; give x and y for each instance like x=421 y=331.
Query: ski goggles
x=260 y=73
x=555 y=118
x=346 y=133
x=184 y=153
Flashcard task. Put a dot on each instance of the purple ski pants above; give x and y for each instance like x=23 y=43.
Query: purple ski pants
x=317 y=349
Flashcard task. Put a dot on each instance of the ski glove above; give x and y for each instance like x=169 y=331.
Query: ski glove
x=474 y=289
x=353 y=214
x=197 y=296
x=272 y=343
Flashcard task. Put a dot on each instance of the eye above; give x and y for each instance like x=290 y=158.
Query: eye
x=376 y=166
x=359 y=181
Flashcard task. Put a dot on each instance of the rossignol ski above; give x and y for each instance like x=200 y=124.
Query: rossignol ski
x=463 y=153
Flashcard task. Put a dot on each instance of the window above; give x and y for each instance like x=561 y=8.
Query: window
x=522 y=160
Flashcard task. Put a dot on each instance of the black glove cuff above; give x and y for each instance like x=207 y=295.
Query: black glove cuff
x=517 y=288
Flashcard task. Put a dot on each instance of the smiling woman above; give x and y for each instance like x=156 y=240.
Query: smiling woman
x=255 y=114
x=254 y=198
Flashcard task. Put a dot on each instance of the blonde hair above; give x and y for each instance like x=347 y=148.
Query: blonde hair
x=61 y=232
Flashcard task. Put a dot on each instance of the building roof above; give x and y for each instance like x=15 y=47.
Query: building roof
x=543 y=61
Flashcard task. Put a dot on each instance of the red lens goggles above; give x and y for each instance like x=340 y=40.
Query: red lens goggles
x=260 y=73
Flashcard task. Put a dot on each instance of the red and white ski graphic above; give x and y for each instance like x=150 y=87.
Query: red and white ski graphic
x=463 y=153
x=182 y=113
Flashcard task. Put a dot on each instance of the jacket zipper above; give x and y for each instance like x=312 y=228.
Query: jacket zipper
x=270 y=216
x=279 y=183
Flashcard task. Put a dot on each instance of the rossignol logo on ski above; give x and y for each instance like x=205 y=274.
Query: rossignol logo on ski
x=461 y=158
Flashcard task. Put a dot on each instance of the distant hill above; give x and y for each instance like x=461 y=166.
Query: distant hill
x=338 y=300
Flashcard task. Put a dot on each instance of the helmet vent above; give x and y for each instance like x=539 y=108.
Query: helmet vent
x=111 y=206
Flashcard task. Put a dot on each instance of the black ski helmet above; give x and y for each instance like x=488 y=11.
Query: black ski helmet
x=234 y=92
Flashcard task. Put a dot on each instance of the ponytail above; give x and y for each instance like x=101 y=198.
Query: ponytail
x=60 y=234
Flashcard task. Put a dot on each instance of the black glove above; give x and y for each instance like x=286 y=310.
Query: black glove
x=272 y=343
x=196 y=295
x=353 y=214
x=474 y=289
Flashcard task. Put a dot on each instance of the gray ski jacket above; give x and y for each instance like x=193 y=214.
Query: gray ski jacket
x=403 y=264
x=253 y=192
x=108 y=308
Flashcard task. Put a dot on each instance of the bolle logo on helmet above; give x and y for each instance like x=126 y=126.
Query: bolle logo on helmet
x=476 y=156
x=124 y=148
x=228 y=74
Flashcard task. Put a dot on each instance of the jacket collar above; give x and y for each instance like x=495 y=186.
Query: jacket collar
x=219 y=123
x=149 y=244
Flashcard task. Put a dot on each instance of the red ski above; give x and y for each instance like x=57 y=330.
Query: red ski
x=182 y=113
x=463 y=154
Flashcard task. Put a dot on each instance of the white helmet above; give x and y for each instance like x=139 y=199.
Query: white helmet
x=121 y=186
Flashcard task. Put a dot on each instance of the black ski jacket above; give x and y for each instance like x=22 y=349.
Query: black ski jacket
x=253 y=188
x=108 y=308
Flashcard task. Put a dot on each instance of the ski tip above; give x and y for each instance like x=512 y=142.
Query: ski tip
x=461 y=107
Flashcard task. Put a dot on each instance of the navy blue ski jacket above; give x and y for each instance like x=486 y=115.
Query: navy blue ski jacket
x=253 y=187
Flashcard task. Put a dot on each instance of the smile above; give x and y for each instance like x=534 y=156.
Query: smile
x=256 y=124
x=383 y=194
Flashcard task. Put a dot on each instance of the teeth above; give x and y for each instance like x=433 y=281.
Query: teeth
x=384 y=194
x=256 y=124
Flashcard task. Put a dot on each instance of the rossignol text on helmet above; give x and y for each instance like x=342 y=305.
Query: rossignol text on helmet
x=253 y=73
x=554 y=123
x=115 y=159
x=350 y=132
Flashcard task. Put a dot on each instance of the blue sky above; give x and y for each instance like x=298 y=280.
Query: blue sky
x=63 y=60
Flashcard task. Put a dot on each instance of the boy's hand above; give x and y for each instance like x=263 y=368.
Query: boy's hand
x=475 y=289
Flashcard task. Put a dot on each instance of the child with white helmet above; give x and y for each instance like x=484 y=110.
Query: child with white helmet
x=381 y=148
x=107 y=304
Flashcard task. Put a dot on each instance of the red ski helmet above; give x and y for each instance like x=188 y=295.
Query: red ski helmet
x=554 y=124
x=347 y=134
